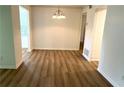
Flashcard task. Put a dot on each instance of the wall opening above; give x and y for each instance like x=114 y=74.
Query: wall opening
x=25 y=28
x=83 y=28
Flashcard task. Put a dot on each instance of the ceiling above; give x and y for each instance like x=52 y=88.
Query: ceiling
x=70 y=6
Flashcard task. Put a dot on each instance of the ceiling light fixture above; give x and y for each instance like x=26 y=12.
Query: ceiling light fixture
x=58 y=15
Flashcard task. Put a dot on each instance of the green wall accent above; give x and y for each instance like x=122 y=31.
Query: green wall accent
x=7 y=53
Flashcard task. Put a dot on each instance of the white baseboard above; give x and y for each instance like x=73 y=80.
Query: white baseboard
x=54 y=49
x=86 y=57
x=10 y=66
x=94 y=59
x=90 y=60
x=108 y=78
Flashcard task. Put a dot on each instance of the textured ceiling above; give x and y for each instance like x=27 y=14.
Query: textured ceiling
x=70 y=6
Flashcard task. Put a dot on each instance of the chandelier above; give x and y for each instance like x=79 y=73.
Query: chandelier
x=58 y=15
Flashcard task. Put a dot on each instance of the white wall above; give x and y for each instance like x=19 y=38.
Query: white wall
x=112 y=57
x=51 y=33
x=93 y=35
x=17 y=35
x=89 y=32
x=99 y=22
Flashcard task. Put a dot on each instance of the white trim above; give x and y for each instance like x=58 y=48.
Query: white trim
x=95 y=59
x=54 y=49
x=108 y=78
x=86 y=57
x=8 y=66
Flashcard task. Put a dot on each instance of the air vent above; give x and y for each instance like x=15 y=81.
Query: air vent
x=86 y=52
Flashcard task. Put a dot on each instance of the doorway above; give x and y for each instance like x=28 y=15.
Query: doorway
x=24 y=26
x=83 y=27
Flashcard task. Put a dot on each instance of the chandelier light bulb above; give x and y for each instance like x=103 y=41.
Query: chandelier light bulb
x=58 y=15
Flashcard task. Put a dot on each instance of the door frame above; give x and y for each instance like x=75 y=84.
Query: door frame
x=84 y=27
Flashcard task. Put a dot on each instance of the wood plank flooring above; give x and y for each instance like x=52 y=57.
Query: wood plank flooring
x=53 y=68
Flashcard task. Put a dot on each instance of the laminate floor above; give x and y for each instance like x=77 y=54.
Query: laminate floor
x=53 y=68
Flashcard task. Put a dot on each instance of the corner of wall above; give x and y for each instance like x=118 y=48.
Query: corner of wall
x=87 y=58
x=17 y=35
x=19 y=64
x=108 y=78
